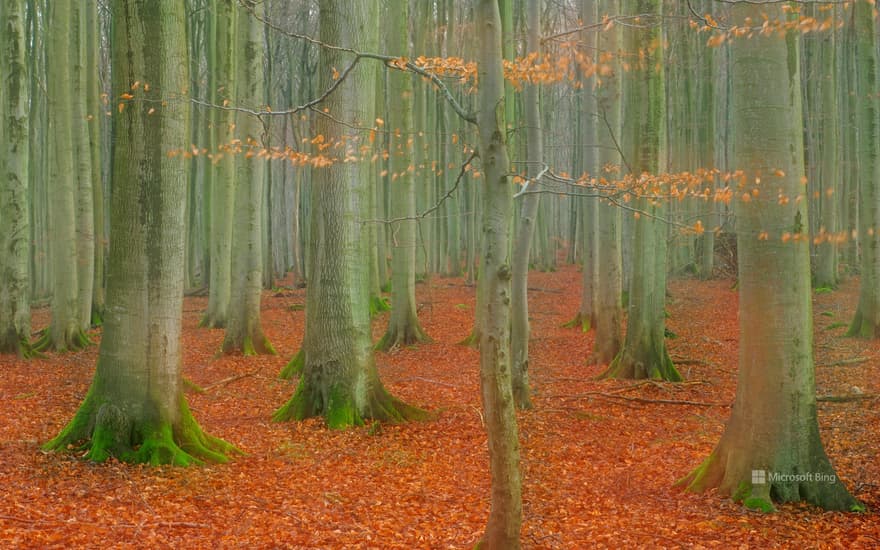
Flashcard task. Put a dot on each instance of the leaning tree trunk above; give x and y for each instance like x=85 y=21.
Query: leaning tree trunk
x=526 y=229
x=866 y=323
x=339 y=378
x=770 y=449
x=505 y=517
x=244 y=330
x=15 y=231
x=403 y=327
x=644 y=353
x=65 y=332
x=135 y=409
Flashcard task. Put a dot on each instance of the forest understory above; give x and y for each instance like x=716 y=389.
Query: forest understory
x=599 y=458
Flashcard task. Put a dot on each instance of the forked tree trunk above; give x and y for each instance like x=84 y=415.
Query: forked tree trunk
x=339 y=378
x=15 y=231
x=135 y=409
x=770 y=449
x=505 y=517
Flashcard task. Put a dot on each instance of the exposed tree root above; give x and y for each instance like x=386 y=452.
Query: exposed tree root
x=294 y=367
x=378 y=304
x=253 y=343
x=396 y=336
x=73 y=339
x=627 y=366
x=104 y=430
x=585 y=322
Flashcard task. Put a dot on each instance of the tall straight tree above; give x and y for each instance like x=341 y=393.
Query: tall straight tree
x=135 y=409
x=644 y=353
x=15 y=313
x=403 y=327
x=528 y=211
x=773 y=428
x=65 y=331
x=505 y=516
x=221 y=62
x=866 y=322
x=606 y=222
x=244 y=330
x=339 y=379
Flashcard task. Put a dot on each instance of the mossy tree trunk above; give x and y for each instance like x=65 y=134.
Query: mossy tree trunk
x=866 y=322
x=505 y=516
x=339 y=379
x=403 y=327
x=221 y=59
x=773 y=428
x=135 y=409
x=528 y=211
x=15 y=231
x=644 y=353
x=244 y=330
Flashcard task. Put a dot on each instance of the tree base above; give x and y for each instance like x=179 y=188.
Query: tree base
x=472 y=340
x=212 y=321
x=72 y=340
x=104 y=430
x=13 y=343
x=627 y=367
x=340 y=410
x=862 y=328
x=378 y=304
x=585 y=322
x=397 y=336
x=294 y=367
x=734 y=474
x=255 y=343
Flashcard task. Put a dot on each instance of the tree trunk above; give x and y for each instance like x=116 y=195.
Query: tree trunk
x=644 y=353
x=244 y=330
x=525 y=231
x=403 y=327
x=65 y=331
x=770 y=449
x=135 y=409
x=15 y=313
x=866 y=323
x=505 y=517
x=339 y=378
x=222 y=62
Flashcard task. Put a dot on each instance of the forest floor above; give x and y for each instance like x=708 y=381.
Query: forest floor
x=599 y=459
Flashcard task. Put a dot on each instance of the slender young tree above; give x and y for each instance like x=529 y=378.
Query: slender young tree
x=770 y=449
x=505 y=516
x=339 y=379
x=526 y=229
x=221 y=58
x=403 y=327
x=15 y=314
x=244 y=330
x=135 y=409
x=866 y=323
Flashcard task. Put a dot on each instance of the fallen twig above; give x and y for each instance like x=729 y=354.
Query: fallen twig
x=230 y=380
x=843 y=362
x=846 y=398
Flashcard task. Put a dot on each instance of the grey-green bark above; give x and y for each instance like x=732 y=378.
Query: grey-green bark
x=15 y=315
x=644 y=353
x=222 y=58
x=773 y=426
x=528 y=210
x=866 y=322
x=244 y=330
x=135 y=409
x=65 y=331
x=505 y=516
x=339 y=379
x=403 y=327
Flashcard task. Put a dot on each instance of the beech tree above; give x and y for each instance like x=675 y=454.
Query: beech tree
x=15 y=321
x=770 y=449
x=135 y=409
x=339 y=380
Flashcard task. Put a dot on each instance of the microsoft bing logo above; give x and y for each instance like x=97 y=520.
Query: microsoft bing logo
x=759 y=477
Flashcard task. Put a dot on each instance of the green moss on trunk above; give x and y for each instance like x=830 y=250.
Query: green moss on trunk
x=294 y=367
x=73 y=339
x=580 y=320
